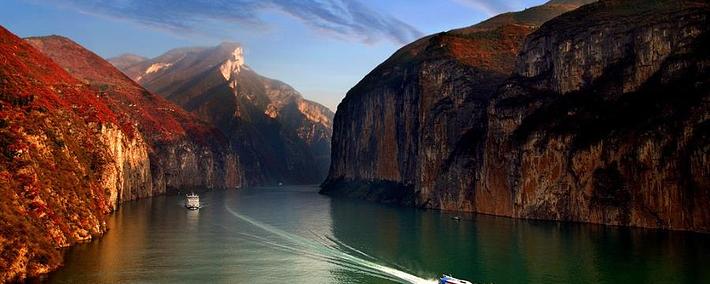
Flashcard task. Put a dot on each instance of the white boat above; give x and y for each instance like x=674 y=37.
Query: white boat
x=447 y=279
x=192 y=201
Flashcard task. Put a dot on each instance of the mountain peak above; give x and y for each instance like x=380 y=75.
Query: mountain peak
x=233 y=64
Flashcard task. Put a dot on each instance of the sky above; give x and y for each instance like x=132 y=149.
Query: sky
x=320 y=47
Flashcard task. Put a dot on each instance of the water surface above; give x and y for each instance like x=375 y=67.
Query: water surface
x=294 y=235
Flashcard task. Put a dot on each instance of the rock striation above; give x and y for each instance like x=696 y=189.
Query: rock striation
x=601 y=117
x=278 y=135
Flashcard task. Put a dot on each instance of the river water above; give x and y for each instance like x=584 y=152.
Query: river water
x=292 y=234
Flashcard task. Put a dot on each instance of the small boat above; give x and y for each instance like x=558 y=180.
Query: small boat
x=447 y=279
x=192 y=201
x=456 y=218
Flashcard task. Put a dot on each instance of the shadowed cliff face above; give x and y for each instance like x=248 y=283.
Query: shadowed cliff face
x=413 y=117
x=603 y=120
x=280 y=137
x=606 y=123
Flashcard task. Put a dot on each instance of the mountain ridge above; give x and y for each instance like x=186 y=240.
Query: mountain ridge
x=280 y=135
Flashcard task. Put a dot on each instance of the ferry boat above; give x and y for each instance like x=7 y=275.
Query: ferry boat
x=447 y=279
x=192 y=201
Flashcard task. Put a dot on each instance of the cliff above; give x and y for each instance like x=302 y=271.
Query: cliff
x=279 y=135
x=58 y=176
x=80 y=138
x=176 y=149
x=602 y=118
x=404 y=124
x=606 y=123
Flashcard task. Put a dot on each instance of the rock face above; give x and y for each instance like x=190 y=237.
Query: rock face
x=604 y=120
x=58 y=178
x=606 y=123
x=75 y=143
x=279 y=136
x=414 y=116
x=182 y=151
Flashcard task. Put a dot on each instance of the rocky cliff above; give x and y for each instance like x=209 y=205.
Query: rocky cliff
x=603 y=120
x=412 y=117
x=279 y=136
x=606 y=122
x=59 y=177
x=78 y=139
x=177 y=149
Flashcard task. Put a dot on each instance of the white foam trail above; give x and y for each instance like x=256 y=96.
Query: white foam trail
x=330 y=254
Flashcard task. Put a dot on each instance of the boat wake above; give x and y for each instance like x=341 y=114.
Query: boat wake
x=331 y=251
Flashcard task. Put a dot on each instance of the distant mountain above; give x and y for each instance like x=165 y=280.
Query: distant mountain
x=126 y=59
x=279 y=135
x=599 y=114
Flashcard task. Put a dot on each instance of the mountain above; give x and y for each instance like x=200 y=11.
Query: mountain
x=279 y=135
x=578 y=120
x=79 y=139
x=126 y=59
x=394 y=131
x=59 y=174
x=183 y=150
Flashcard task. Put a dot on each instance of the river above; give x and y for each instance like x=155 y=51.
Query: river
x=292 y=234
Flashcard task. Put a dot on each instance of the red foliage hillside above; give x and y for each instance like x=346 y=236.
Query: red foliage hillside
x=159 y=120
x=50 y=160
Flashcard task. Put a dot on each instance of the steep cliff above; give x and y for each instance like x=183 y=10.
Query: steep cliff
x=182 y=151
x=57 y=175
x=604 y=120
x=407 y=122
x=280 y=136
x=75 y=143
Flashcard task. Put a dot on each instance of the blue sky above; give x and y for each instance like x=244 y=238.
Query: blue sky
x=320 y=47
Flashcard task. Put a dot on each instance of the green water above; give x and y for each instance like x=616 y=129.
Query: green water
x=294 y=235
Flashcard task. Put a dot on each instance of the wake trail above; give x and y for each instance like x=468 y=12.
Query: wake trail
x=333 y=254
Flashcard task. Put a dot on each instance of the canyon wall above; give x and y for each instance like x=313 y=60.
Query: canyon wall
x=174 y=149
x=77 y=138
x=602 y=118
x=415 y=115
x=606 y=123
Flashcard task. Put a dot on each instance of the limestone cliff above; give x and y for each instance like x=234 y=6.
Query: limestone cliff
x=606 y=123
x=604 y=120
x=57 y=175
x=74 y=146
x=407 y=122
x=175 y=149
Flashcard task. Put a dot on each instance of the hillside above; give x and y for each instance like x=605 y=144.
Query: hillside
x=279 y=135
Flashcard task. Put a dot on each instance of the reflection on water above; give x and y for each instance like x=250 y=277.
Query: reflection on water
x=268 y=235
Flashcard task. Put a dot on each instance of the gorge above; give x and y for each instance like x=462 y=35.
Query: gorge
x=565 y=142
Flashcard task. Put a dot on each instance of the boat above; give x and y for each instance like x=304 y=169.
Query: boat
x=447 y=279
x=192 y=201
x=456 y=218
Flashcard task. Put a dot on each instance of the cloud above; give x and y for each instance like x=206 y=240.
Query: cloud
x=346 y=19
